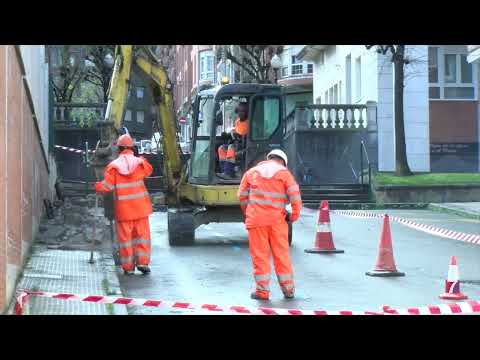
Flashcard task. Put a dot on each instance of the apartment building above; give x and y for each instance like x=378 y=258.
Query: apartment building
x=440 y=100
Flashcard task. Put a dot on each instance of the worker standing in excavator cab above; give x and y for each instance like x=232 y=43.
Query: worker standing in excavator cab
x=264 y=193
x=124 y=176
x=242 y=125
x=239 y=133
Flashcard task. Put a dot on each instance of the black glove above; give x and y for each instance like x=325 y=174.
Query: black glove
x=287 y=217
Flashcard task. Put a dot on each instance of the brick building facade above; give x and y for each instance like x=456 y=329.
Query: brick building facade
x=27 y=169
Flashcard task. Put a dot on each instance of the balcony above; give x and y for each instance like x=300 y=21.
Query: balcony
x=336 y=117
x=473 y=53
x=297 y=75
x=77 y=115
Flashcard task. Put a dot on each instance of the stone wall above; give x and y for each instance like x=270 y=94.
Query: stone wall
x=427 y=194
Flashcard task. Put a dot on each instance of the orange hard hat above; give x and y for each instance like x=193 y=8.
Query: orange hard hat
x=125 y=140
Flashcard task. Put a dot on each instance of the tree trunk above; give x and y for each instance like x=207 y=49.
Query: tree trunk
x=401 y=163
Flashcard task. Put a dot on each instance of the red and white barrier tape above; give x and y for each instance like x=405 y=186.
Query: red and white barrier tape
x=449 y=234
x=467 y=307
x=100 y=299
x=464 y=307
x=73 y=150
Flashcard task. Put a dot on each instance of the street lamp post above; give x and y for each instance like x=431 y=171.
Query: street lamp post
x=276 y=63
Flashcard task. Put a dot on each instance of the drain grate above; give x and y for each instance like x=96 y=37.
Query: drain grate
x=472 y=282
x=44 y=276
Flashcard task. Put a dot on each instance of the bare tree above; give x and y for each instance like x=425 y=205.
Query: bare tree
x=399 y=61
x=252 y=59
x=70 y=74
x=101 y=56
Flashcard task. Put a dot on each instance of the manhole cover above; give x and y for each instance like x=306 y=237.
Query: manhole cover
x=43 y=276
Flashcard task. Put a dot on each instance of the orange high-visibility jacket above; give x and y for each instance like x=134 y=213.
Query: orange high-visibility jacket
x=264 y=192
x=222 y=153
x=231 y=153
x=241 y=127
x=124 y=176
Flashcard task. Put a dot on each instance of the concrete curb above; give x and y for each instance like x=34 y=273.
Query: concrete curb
x=112 y=283
x=372 y=206
x=449 y=210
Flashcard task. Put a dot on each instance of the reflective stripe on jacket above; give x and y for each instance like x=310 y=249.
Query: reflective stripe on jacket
x=264 y=192
x=124 y=176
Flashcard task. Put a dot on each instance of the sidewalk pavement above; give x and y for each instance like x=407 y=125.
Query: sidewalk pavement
x=70 y=272
x=59 y=263
x=469 y=209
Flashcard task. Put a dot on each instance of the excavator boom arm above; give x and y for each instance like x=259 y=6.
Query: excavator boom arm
x=127 y=56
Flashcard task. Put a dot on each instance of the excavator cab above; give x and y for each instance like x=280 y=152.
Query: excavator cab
x=215 y=114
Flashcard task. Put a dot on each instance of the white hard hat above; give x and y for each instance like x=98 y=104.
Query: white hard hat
x=280 y=154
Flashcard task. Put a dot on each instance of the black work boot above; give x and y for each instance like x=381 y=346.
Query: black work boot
x=144 y=269
x=129 y=272
x=289 y=295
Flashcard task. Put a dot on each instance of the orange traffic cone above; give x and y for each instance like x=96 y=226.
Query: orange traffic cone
x=452 y=284
x=385 y=262
x=323 y=239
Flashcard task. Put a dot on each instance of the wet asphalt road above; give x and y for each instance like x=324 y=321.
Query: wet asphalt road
x=218 y=270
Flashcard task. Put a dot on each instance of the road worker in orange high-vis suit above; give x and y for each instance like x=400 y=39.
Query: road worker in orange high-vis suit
x=264 y=192
x=124 y=176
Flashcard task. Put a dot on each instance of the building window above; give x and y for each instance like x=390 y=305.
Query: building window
x=206 y=65
x=450 y=68
x=358 y=74
x=140 y=91
x=285 y=71
x=294 y=60
x=140 y=117
x=433 y=65
x=458 y=80
x=297 y=69
x=340 y=93
x=466 y=70
x=434 y=92
x=128 y=115
x=310 y=68
x=459 y=93
x=348 y=78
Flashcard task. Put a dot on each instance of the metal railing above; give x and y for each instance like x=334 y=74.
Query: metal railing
x=77 y=115
x=363 y=150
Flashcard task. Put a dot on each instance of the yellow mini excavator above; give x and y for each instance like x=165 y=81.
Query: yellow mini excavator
x=196 y=191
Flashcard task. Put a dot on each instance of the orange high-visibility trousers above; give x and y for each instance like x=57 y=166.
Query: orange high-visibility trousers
x=134 y=240
x=263 y=240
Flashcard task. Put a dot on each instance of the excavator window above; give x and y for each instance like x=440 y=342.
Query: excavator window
x=201 y=148
x=266 y=118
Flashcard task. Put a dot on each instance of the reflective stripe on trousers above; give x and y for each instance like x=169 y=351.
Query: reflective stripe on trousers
x=266 y=240
x=134 y=241
x=262 y=282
